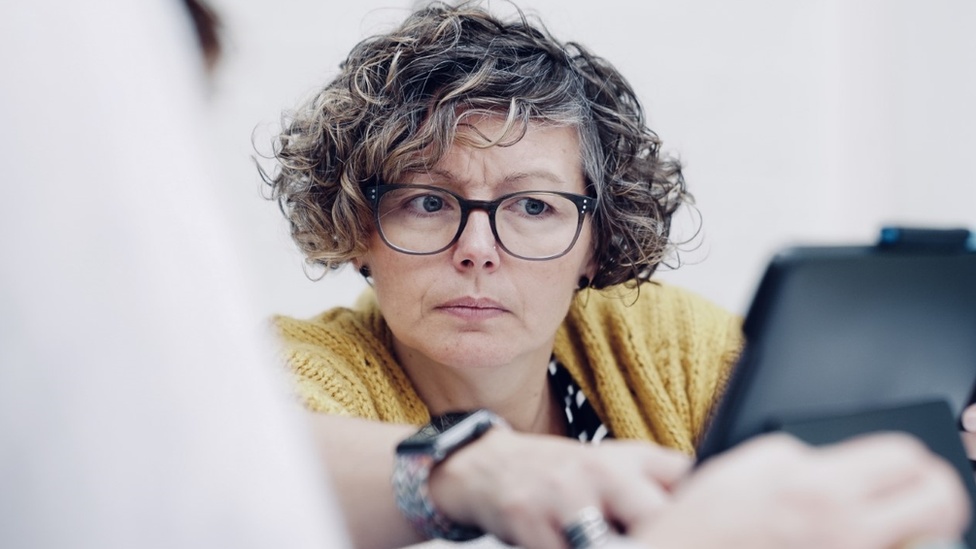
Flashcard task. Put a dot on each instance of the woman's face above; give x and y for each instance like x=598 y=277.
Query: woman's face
x=473 y=305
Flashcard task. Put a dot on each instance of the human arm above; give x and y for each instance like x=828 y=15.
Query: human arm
x=520 y=487
x=879 y=491
x=873 y=492
x=526 y=488
x=359 y=455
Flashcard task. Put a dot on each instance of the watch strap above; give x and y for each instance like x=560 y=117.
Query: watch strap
x=412 y=469
x=410 y=476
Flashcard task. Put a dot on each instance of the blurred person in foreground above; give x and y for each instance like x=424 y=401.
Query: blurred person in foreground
x=137 y=404
x=507 y=203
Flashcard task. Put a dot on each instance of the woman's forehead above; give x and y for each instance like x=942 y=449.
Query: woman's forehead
x=541 y=157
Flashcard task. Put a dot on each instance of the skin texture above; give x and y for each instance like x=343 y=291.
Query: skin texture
x=472 y=324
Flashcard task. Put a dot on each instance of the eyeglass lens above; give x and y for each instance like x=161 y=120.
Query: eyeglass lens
x=534 y=224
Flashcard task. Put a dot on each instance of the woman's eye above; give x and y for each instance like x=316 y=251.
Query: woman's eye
x=532 y=206
x=433 y=203
x=428 y=203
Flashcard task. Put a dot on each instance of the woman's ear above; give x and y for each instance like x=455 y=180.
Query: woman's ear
x=587 y=271
x=361 y=264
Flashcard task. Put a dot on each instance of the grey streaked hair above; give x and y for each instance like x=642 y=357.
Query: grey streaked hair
x=398 y=101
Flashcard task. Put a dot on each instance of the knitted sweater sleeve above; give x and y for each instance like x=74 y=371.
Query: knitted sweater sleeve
x=323 y=380
x=654 y=362
x=712 y=341
x=341 y=365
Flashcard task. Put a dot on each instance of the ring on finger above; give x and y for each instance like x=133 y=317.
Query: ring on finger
x=588 y=530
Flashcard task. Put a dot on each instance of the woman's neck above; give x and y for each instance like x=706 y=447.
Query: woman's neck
x=519 y=392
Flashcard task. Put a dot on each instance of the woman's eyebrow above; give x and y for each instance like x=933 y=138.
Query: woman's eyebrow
x=510 y=183
x=513 y=181
x=439 y=177
x=536 y=174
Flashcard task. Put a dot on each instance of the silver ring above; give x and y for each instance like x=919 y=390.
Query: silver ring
x=589 y=529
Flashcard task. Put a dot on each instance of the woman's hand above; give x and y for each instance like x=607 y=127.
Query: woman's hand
x=969 y=434
x=875 y=492
x=526 y=488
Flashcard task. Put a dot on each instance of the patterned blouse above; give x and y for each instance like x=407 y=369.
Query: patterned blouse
x=582 y=421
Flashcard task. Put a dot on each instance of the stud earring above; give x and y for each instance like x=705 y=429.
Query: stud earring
x=584 y=282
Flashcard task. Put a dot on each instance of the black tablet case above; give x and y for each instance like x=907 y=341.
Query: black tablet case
x=849 y=340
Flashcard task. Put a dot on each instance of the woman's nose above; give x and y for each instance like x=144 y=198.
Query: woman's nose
x=476 y=247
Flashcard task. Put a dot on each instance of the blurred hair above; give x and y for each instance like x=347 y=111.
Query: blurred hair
x=207 y=27
x=398 y=101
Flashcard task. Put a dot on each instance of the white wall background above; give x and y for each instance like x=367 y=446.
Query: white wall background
x=798 y=122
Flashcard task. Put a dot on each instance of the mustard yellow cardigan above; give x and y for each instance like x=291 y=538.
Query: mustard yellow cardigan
x=651 y=364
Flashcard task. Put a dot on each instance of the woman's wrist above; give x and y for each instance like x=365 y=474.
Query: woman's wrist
x=453 y=481
x=427 y=451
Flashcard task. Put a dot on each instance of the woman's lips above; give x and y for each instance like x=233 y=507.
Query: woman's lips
x=472 y=308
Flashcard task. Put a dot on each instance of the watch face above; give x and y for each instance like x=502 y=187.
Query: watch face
x=447 y=432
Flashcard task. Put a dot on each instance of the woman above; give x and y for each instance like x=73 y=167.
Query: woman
x=488 y=180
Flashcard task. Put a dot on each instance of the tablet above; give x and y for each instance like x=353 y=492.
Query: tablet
x=843 y=340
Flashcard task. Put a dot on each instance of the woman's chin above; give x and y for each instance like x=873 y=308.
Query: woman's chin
x=467 y=351
x=479 y=353
x=476 y=359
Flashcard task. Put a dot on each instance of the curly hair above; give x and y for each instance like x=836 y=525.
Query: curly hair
x=399 y=98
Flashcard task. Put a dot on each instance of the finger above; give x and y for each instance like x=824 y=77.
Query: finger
x=589 y=528
x=533 y=533
x=969 y=441
x=566 y=490
x=770 y=448
x=665 y=466
x=969 y=418
x=933 y=506
x=526 y=518
x=634 y=504
x=875 y=464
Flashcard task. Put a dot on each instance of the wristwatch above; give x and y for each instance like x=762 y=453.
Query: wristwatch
x=419 y=453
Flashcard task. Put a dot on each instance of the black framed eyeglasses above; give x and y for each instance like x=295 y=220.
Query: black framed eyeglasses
x=425 y=220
